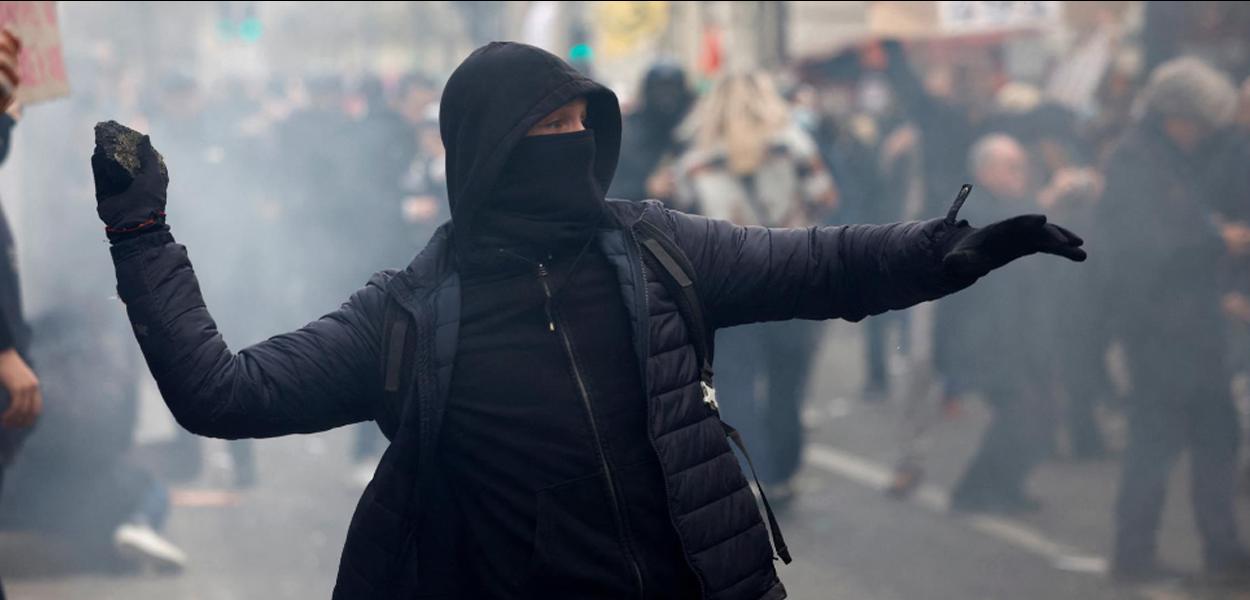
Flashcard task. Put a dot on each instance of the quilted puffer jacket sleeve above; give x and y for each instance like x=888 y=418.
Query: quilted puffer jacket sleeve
x=750 y=274
x=321 y=376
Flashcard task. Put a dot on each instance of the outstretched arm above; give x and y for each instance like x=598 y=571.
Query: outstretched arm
x=749 y=274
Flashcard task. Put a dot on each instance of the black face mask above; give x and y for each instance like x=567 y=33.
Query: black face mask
x=546 y=197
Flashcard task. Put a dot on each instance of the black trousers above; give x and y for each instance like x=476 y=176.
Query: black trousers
x=1178 y=403
x=761 y=378
x=1019 y=437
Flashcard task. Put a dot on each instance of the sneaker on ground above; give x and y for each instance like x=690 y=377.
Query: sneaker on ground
x=143 y=545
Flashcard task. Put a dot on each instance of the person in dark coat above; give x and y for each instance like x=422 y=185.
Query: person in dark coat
x=552 y=436
x=83 y=449
x=1163 y=299
x=20 y=398
x=1066 y=186
x=1017 y=379
x=849 y=140
x=649 y=141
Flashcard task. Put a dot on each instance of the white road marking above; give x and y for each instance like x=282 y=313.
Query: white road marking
x=1158 y=593
x=1010 y=531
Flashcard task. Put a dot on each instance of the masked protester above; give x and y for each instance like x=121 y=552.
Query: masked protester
x=649 y=144
x=535 y=367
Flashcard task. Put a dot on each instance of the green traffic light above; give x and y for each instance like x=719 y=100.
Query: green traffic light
x=581 y=52
x=250 y=29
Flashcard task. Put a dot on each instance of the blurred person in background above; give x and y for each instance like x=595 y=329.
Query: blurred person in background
x=546 y=392
x=317 y=157
x=416 y=97
x=79 y=478
x=424 y=182
x=1114 y=98
x=941 y=127
x=925 y=138
x=22 y=400
x=1017 y=379
x=1162 y=243
x=1229 y=171
x=1232 y=177
x=750 y=163
x=201 y=130
x=1065 y=185
x=927 y=132
x=649 y=142
x=393 y=146
x=1079 y=336
x=849 y=135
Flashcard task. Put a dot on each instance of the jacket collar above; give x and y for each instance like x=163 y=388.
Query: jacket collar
x=434 y=266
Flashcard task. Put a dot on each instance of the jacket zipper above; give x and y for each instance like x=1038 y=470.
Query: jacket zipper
x=594 y=428
x=644 y=317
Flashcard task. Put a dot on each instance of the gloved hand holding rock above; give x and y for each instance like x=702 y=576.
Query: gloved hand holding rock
x=130 y=181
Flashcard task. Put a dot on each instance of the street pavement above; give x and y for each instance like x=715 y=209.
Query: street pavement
x=281 y=539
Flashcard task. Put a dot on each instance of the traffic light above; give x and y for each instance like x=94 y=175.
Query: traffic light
x=581 y=52
x=250 y=29
x=238 y=20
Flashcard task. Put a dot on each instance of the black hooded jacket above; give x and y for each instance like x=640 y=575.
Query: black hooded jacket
x=492 y=100
x=403 y=541
x=557 y=482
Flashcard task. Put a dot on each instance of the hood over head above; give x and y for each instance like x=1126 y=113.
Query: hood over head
x=492 y=99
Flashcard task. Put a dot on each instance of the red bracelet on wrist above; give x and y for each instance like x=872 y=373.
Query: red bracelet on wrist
x=155 y=219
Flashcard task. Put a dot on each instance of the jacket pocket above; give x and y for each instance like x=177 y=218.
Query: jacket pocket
x=577 y=547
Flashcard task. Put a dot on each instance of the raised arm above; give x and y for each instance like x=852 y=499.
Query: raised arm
x=324 y=375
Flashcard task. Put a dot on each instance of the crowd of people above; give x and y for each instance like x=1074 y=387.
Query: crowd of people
x=1151 y=168
x=1154 y=167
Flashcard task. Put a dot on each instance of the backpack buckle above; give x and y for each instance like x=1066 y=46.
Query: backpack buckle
x=709 y=396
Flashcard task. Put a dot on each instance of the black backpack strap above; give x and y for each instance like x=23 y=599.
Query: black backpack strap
x=676 y=270
x=398 y=345
x=689 y=303
x=394 y=333
x=783 y=551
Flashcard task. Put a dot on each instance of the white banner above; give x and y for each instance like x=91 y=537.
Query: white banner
x=996 y=16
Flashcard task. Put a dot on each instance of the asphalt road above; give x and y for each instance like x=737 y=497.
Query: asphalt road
x=282 y=538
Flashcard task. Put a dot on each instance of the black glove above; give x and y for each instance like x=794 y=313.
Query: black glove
x=130 y=182
x=969 y=253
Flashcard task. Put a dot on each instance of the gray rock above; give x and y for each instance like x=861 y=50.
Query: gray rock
x=117 y=152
